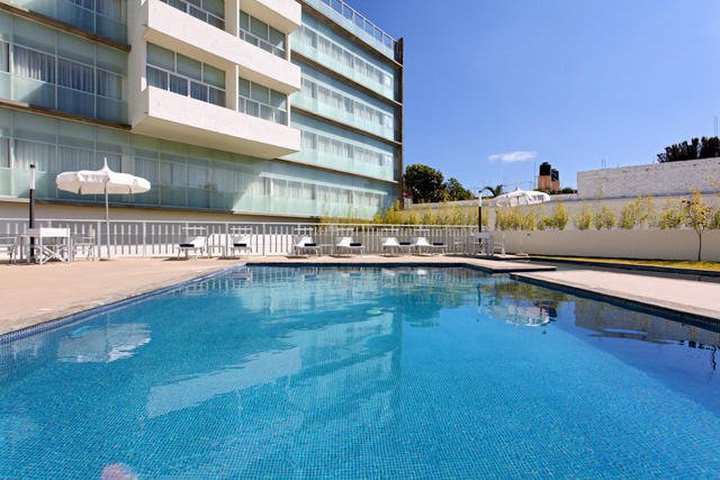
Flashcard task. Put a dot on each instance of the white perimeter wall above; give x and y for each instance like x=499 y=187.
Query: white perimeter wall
x=643 y=244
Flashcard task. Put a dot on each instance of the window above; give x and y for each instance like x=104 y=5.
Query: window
x=185 y=76
x=261 y=35
x=262 y=102
x=33 y=64
x=209 y=11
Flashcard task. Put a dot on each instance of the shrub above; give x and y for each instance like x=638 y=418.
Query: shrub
x=529 y=221
x=638 y=213
x=715 y=223
x=559 y=218
x=604 y=218
x=583 y=220
x=671 y=216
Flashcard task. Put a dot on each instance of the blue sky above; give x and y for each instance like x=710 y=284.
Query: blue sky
x=572 y=82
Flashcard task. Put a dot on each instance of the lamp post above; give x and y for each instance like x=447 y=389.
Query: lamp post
x=480 y=228
x=31 y=210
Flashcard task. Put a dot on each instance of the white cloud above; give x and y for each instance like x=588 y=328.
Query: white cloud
x=513 y=157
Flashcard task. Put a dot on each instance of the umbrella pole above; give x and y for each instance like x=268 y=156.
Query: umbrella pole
x=107 y=222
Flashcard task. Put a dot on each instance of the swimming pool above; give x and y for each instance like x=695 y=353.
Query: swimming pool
x=273 y=372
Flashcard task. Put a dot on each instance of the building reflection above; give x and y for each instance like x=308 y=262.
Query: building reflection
x=611 y=322
x=295 y=349
x=104 y=343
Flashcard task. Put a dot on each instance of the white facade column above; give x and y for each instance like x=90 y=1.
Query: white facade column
x=231 y=87
x=232 y=16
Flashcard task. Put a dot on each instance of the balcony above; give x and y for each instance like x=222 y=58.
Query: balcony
x=285 y=15
x=357 y=24
x=178 y=31
x=171 y=116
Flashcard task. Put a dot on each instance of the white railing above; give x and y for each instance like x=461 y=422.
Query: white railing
x=140 y=238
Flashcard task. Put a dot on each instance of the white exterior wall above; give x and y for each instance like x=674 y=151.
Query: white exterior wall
x=674 y=178
x=159 y=113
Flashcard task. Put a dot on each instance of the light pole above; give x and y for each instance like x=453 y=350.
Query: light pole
x=31 y=210
x=480 y=207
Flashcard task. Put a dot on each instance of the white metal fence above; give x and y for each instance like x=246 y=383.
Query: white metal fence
x=139 y=238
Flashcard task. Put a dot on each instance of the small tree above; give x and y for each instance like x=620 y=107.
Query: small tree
x=583 y=220
x=697 y=217
x=604 y=219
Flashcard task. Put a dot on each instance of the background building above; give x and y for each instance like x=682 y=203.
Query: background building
x=257 y=108
x=548 y=178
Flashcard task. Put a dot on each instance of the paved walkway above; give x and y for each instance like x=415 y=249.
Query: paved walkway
x=680 y=296
x=33 y=294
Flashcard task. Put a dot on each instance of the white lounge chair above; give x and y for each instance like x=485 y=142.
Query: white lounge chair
x=306 y=244
x=197 y=245
x=422 y=243
x=346 y=244
x=241 y=243
x=391 y=245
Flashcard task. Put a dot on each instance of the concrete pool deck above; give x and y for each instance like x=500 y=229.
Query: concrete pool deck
x=35 y=294
x=674 y=295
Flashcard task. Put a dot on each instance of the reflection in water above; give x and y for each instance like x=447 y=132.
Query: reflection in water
x=517 y=303
x=611 y=322
x=104 y=344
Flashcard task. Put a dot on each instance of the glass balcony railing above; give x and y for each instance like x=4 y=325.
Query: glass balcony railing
x=325 y=159
x=309 y=43
x=106 y=19
x=55 y=97
x=302 y=100
x=357 y=24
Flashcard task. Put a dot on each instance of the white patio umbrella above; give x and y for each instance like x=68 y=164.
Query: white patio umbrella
x=103 y=181
x=521 y=197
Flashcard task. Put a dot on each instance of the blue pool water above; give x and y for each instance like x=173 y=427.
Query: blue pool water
x=372 y=373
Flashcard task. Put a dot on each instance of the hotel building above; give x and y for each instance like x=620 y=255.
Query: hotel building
x=235 y=109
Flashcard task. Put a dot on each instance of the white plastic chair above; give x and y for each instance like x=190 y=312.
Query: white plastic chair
x=346 y=244
x=12 y=246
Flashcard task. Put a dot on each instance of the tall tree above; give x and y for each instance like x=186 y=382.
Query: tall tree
x=455 y=191
x=424 y=184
